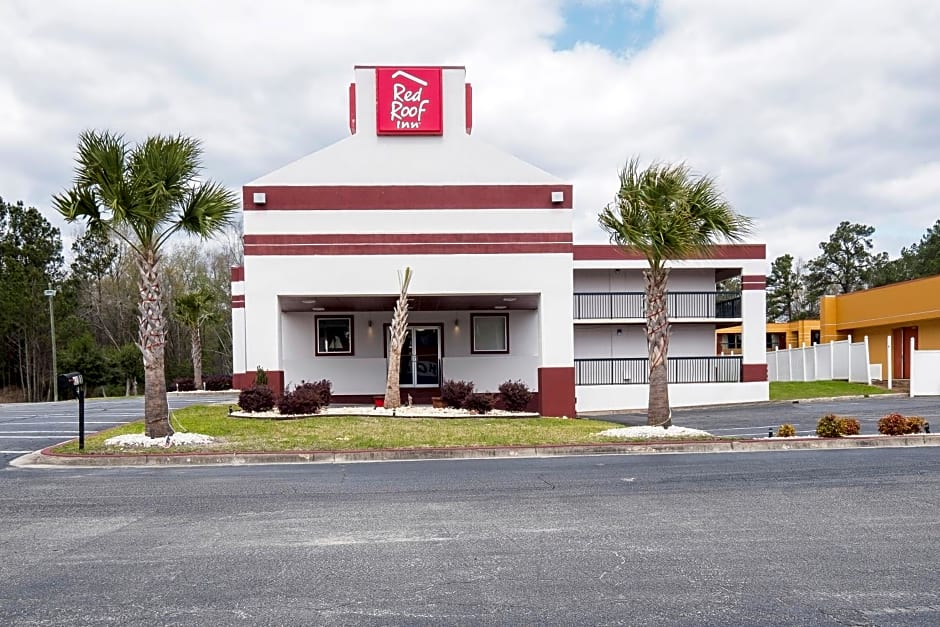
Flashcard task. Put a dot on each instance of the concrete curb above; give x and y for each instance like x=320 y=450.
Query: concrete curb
x=792 y=401
x=45 y=459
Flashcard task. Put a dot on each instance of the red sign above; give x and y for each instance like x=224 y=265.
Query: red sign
x=408 y=101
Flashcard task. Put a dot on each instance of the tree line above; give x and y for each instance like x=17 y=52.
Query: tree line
x=95 y=307
x=845 y=264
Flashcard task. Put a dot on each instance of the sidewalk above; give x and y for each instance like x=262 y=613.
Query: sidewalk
x=44 y=459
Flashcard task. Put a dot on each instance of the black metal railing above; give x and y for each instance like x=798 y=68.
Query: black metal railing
x=635 y=370
x=626 y=305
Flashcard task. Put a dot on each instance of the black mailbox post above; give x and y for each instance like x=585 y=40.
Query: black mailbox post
x=77 y=382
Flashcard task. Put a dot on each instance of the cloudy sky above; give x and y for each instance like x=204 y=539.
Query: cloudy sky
x=807 y=112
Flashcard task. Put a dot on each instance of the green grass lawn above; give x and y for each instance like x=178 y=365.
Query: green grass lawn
x=792 y=390
x=329 y=433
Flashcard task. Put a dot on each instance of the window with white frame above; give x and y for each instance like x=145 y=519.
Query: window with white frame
x=334 y=335
x=490 y=333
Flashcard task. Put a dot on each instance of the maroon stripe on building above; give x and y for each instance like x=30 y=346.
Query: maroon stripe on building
x=352 y=108
x=753 y=282
x=605 y=252
x=407 y=249
x=238 y=301
x=407 y=238
x=350 y=197
x=468 y=106
x=238 y=273
x=753 y=372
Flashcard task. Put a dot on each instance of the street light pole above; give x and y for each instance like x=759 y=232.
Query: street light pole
x=55 y=388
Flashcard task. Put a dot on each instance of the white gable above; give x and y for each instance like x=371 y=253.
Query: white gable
x=365 y=160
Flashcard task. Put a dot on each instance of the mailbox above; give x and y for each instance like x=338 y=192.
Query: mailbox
x=74 y=382
x=72 y=378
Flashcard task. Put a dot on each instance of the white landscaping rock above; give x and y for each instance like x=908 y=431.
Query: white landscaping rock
x=416 y=411
x=654 y=432
x=140 y=440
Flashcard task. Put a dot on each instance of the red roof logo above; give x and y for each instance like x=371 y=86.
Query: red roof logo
x=409 y=101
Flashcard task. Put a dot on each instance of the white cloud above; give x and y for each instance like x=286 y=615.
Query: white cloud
x=808 y=113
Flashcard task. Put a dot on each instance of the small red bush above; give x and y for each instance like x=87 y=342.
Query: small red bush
x=455 y=393
x=218 y=382
x=183 y=384
x=303 y=400
x=849 y=426
x=515 y=395
x=828 y=426
x=893 y=424
x=479 y=403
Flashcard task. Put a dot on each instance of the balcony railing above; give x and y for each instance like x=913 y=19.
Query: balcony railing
x=625 y=305
x=634 y=370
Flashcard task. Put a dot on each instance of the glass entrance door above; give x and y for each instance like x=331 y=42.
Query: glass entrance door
x=421 y=358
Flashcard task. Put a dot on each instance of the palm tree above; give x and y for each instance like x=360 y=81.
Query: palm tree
x=194 y=309
x=666 y=212
x=144 y=194
x=396 y=343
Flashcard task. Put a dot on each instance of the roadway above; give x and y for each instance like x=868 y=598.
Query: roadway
x=843 y=537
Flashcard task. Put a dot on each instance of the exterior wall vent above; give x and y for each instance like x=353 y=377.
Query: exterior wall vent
x=558 y=196
x=260 y=198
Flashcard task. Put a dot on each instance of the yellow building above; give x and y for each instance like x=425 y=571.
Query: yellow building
x=779 y=335
x=902 y=311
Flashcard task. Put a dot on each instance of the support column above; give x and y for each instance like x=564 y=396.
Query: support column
x=753 y=328
x=556 y=392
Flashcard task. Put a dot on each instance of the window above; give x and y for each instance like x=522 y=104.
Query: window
x=490 y=333
x=334 y=336
x=732 y=340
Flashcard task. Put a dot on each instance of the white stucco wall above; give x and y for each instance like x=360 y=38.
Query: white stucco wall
x=600 y=341
x=631 y=280
x=272 y=221
x=615 y=397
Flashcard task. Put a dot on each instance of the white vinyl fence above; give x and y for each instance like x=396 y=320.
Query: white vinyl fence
x=925 y=372
x=844 y=360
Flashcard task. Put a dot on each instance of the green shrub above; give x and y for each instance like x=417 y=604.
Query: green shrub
x=261 y=377
x=479 y=403
x=849 y=426
x=256 y=398
x=893 y=424
x=455 y=393
x=515 y=395
x=828 y=426
x=786 y=430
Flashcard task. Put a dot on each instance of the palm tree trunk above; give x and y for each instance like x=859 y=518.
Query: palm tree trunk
x=657 y=338
x=197 y=358
x=152 y=345
x=395 y=344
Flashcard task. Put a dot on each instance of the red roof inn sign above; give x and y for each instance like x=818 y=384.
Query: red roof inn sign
x=408 y=101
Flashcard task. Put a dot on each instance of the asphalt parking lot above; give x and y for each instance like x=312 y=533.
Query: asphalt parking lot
x=755 y=419
x=28 y=427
